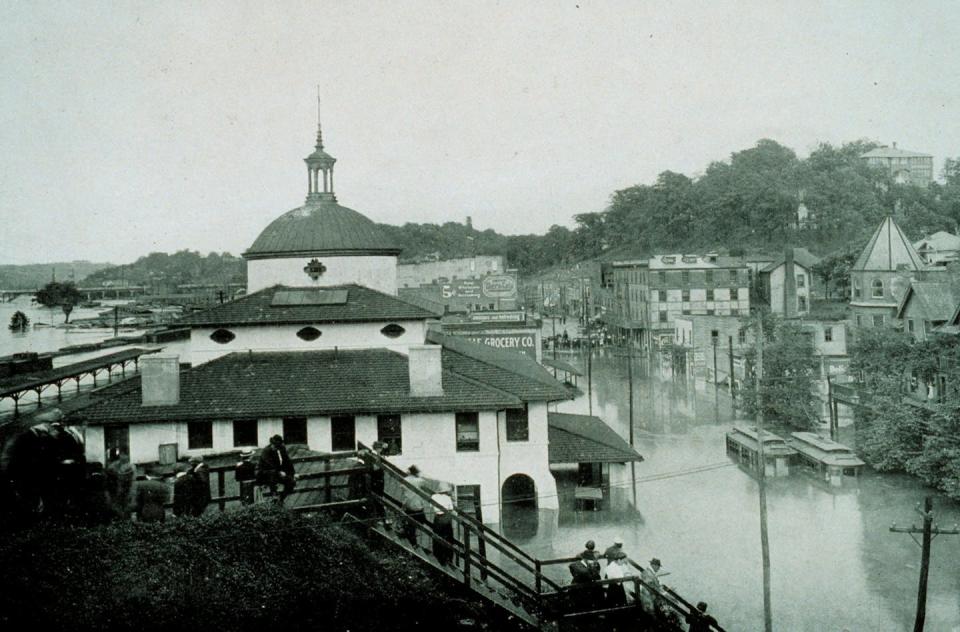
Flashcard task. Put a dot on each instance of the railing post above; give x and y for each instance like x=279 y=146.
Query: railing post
x=466 y=557
x=222 y=489
x=326 y=483
x=539 y=577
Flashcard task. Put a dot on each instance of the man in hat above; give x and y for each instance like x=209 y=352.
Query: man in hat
x=443 y=525
x=699 y=620
x=615 y=550
x=150 y=496
x=276 y=468
x=183 y=491
x=650 y=595
x=201 y=481
x=245 y=473
x=413 y=505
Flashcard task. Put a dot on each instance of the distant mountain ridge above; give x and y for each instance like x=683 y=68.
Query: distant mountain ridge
x=33 y=275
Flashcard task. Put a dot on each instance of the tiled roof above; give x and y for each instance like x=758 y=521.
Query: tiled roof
x=242 y=385
x=586 y=439
x=321 y=227
x=512 y=372
x=362 y=304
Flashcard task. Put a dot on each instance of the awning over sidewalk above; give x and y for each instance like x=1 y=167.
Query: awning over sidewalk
x=560 y=365
x=586 y=439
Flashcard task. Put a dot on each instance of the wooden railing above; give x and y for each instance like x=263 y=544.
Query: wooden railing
x=664 y=595
x=541 y=596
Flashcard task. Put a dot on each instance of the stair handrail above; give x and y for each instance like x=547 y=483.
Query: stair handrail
x=500 y=574
x=528 y=562
x=505 y=546
x=687 y=610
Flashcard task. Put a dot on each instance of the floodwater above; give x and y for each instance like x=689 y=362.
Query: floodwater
x=48 y=337
x=834 y=563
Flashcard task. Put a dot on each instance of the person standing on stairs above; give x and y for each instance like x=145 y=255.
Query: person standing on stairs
x=413 y=505
x=443 y=527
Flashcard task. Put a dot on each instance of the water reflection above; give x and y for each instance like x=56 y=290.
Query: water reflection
x=835 y=565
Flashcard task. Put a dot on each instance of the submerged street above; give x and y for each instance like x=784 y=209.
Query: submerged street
x=834 y=563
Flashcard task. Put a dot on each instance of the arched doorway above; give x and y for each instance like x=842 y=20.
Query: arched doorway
x=518 y=507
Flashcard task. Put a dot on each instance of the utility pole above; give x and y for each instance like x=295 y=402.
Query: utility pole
x=589 y=372
x=733 y=395
x=633 y=465
x=764 y=537
x=833 y=423
x=716 y=377
x=929 y=531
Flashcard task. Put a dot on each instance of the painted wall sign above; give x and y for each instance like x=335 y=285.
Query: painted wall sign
x=499 y=286
x=524 y=343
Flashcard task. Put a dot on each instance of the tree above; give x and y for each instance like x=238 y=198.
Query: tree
x=790 y=368
x=56 y=294
x=19 y=321
x=835 y=269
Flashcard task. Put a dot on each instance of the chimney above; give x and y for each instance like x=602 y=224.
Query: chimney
x=160 y=379
x=426 y=371
x=789 y=285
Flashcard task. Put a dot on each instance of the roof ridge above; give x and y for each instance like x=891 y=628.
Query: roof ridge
x=443 y=337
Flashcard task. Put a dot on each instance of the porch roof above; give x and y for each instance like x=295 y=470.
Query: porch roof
x=586 y=439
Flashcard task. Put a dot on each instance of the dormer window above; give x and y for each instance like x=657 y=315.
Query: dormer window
x=393 y=330
x=309 y=334
x=222 y=336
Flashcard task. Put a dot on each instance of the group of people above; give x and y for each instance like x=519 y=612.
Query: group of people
x=586 y=571
x=415 y=508
x=146 y=495
x=589 y=594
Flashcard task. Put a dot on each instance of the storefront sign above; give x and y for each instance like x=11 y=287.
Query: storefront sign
x=499 y=317
x=524 y=343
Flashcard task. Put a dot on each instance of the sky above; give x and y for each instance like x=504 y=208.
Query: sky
x=128 y=127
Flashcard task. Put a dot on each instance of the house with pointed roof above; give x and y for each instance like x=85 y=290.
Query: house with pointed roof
x=324 y=353
x=927 y=305
x=939 y=248
x=787 y=282
x=881 y=275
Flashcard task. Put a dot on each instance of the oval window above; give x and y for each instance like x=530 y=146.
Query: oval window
x=222 y=336
x=308 y=334
x=393 y=330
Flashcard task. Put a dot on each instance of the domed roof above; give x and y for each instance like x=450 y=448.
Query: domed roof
x=321 y=227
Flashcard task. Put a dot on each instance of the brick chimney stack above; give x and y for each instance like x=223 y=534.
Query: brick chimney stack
x=160 y=380
x=789 y=285
x=426 y=370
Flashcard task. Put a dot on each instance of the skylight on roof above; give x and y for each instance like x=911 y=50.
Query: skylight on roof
x=286 y=298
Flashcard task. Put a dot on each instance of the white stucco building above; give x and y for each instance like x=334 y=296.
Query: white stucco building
x=323 y=352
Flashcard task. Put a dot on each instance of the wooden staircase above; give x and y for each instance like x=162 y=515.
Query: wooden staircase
x=523 y=591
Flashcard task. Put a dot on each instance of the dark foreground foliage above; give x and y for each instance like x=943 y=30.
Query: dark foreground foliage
x=258 y=568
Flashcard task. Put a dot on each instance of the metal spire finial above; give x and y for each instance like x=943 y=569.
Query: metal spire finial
x=319 y=129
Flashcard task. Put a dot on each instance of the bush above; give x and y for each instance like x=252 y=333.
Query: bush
x=258 y=567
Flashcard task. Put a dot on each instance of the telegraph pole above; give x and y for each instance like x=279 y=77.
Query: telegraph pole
x=764 y=537
x=929 y=531
x=633 y=465
x=733 y=395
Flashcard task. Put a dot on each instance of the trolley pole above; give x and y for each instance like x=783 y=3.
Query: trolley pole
x=929 y=531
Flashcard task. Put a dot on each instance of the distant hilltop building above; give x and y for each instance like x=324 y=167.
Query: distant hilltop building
x=906 y=167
